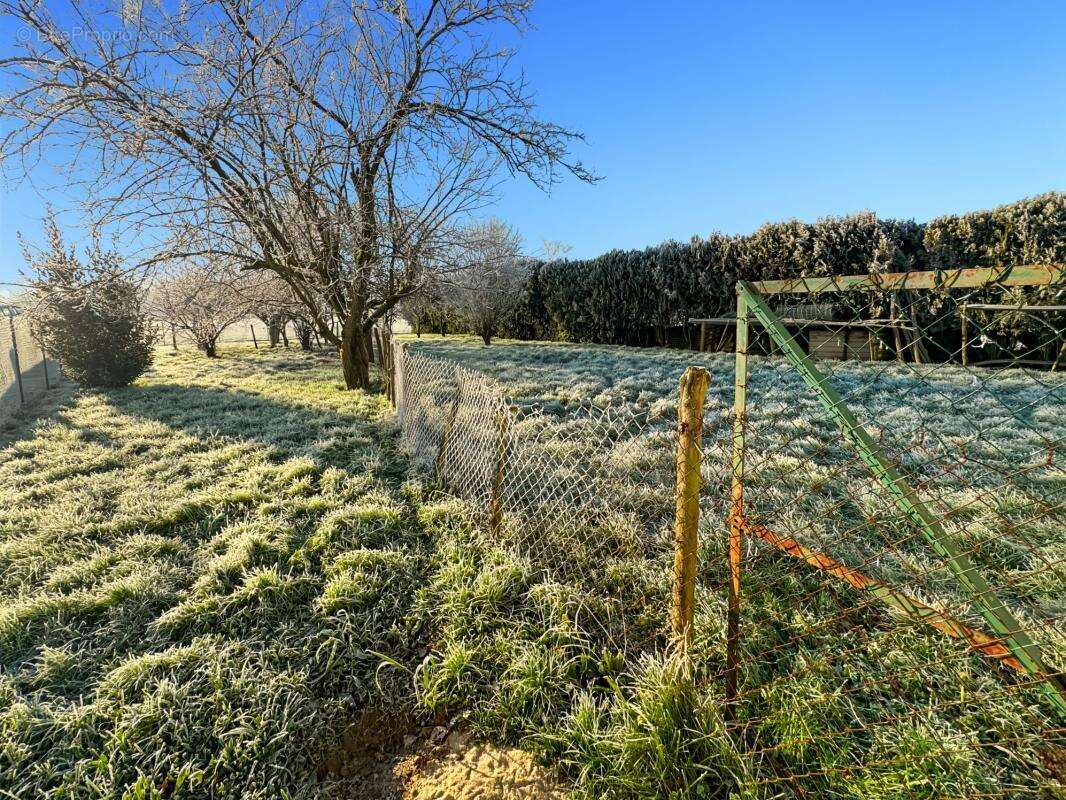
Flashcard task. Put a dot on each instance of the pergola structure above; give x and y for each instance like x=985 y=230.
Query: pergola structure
x=964 y=323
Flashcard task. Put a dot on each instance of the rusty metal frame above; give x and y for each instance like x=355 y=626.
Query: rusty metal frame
x=1001 y=620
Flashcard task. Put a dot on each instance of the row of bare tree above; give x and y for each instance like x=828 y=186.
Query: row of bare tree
x=335 y=150
x=483 y=281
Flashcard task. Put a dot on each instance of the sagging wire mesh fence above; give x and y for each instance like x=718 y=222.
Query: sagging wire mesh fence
x=883 y=534
x=26 y=372
x=900 y=536
x=579 y=491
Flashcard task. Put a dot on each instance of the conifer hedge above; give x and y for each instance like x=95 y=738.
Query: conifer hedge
x=634 y=296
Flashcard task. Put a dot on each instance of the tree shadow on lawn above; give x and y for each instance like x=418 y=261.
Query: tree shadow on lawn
x=286 y=428
x=25 y=422
x=223 y=606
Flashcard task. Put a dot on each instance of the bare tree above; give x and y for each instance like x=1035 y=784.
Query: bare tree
x=490 y=276
x=278 y=307
x=305 y=331
x=274 y=304
x=202 y=298
x=553 y=250
x=330 y=142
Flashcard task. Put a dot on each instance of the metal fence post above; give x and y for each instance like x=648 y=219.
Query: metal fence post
x=956 y=556
x=254 y=340
x=736 y=507
x=15 y=360
x=693 y=390
x=965 y=333
x=44 y=361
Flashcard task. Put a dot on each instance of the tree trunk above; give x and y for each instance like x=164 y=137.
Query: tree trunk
x=209 y=349
x=368 y=343
x=355 y=361
x=273 y=333
x=305 y=339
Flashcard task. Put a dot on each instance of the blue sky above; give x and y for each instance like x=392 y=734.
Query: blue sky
x=708 y=116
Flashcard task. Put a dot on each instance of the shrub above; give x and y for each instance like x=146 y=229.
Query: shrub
x=89 y=317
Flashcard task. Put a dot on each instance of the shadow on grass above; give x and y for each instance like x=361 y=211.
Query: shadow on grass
x=330 y=436
x=23 y=424
x=290 y=405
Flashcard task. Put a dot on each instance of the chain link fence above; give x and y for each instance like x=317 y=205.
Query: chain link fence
x=251 y=331
x=900 y=535
x=577 y=490
x=26 y=372
x=881 y=572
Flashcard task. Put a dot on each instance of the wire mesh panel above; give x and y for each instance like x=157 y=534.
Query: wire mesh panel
x=579 y=491
x=903 y=523
x=36 y=369
x=9 y=390
x=430 y=394
x=554 y=468
x=25 y=371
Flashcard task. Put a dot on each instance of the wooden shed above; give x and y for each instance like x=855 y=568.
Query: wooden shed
x=827 y=339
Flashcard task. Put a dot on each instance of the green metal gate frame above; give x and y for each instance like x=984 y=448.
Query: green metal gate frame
x=750 y=304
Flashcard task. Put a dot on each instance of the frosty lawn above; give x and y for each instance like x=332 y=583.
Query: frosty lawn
x=208 y=576
x=992 y=450
x=178 y=560
x=984 y=446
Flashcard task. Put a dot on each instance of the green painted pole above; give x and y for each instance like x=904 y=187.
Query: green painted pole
x=998 y=616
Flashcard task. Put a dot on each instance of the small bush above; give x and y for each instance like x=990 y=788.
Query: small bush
x=90 y=318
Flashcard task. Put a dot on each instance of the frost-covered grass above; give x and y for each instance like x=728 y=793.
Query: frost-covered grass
x=984 y=448
x=819 y=656
x=208 y=576
x=196 y=574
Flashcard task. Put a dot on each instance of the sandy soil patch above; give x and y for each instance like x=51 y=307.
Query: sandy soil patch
x=473 y=771
x=377 y=761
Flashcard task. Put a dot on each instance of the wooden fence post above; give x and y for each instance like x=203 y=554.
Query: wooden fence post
x=15 y=350
x=693 y=389
x=496 y=499
x=379 y=342
x=398 y=377
x=392 y=369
